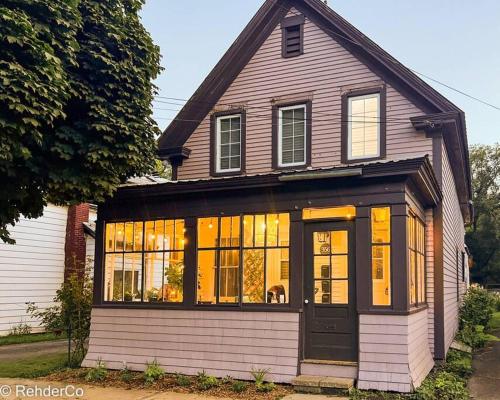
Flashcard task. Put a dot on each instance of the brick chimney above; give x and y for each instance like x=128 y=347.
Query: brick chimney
x=75 y=248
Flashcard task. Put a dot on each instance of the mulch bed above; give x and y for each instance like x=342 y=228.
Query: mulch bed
x=169 y=383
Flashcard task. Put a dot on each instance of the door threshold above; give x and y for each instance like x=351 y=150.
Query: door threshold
x=331 y=362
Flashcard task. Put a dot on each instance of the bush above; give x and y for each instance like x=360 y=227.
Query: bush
x=20 y=329
x=477 y=307
x=459 y=363
x=206 y=382
x=473 y=336
x=442 y=385
x=125 y=374
x=98 y=373
x=239 y=386
x=260 y=380
x=153 y=372
x=182 y=380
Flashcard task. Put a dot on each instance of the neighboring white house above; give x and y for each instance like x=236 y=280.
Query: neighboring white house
x=33 y=269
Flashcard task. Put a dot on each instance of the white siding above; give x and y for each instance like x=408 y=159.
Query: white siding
x=32 y=269
x=219 y=342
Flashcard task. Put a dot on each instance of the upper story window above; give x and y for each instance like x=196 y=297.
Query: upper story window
x=363 y=121
x=292 y=36
x=292 y=135
x=228 y=142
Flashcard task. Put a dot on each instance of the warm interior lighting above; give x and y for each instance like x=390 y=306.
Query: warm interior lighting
x=346 y=212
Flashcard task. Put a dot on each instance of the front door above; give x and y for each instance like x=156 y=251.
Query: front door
x=329 y=292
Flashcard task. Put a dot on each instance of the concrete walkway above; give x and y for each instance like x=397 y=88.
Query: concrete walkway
x=18 y=351
x=485 y=381
x=18 y=389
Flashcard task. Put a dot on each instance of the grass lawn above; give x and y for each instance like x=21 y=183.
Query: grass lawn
x=34 y=366
x=495 y=321
x=31 y=338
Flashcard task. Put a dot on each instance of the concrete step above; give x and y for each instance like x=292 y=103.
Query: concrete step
x=338 y=369
x=322 y=384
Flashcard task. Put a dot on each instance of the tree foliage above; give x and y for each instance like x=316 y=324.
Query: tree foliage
x=75 y=102
x=483 y=236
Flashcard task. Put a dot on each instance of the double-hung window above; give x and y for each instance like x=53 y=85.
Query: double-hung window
x=364 y=127
x=292 y=135
x=416 y=251
x=228 y=144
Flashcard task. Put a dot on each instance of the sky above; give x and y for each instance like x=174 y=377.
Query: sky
x=454 y=41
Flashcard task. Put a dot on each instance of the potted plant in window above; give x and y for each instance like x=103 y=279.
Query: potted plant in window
x=152 y=295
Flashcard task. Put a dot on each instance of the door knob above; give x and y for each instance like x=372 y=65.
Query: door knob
x=306 y=301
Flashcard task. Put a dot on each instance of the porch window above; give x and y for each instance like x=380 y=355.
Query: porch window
x=228 y=143
x=363 y=127
x=292 y=136
x=150 y=249
x=416 y=251
x=248 y=250
x=381 y=256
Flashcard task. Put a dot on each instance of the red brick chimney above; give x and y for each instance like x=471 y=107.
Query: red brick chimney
x=75 y=249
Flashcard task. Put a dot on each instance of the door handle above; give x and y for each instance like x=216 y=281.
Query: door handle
x=306 y=301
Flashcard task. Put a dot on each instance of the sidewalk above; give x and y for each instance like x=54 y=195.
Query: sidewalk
x=485 y=381
x=8 y=388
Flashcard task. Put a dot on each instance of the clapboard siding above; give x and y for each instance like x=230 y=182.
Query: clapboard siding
x=453 y=241
x=394 y=351
x=219 y=342
x=33 y=268
x=321 y=74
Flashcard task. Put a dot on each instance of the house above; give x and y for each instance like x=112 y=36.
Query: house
x=34 y=268
x=314 y=224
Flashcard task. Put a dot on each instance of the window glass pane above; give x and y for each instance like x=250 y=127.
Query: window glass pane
x=272 y=223
x=329 y=212
x=284 y=229
x=322 y=291
x=381 y=226
x=230 y=232
x=206 y=276
x=322 y=267
x=413 y=283
x=229 y=276
x=132 y=277
x=248 y=234
x=276 y=283
x=225 y=124
x=340 y=292
x=138 y=226
x=173 y=277
x=364 y=126
x=322 y=243
x=421 y=278
x=253 y=276
x=381 y=275
x=153 y=270
x=113 y=277
x=260 y=230
x=110 y=237
x=339 y=267
x=129 y=236
x=207 y=232
x=119 y=236
x=235 y=123
x=180 y=232
x=292 y=135
x=339 y=242
x=150 y=235
x=159 y=236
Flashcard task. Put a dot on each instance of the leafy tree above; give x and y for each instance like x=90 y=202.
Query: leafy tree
x=483 y=236
x=75 y=102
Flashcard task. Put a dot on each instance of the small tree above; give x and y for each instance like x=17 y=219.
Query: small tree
x=71 y=312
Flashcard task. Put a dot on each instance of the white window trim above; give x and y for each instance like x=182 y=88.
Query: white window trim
x=218 y=168
x=349 y=126
x=280 y=136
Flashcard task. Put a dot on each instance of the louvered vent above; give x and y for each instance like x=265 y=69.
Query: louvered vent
x=292 y=36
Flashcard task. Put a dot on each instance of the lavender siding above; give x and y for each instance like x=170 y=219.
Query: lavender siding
x=321 y=74
x=453 y=240
x=429 y=263
x=394 y=351
x=221 y=343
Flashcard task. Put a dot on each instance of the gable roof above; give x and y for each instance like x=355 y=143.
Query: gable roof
x=379 y=61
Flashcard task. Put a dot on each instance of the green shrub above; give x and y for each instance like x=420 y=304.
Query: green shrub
x=473 y=336
x=458 y=363
x=239 y=386
x=206 y=382
x=98 y=373
x=259 y=375
x=477 y=307
x=20 y=329
x=125 y=374
x=265 y=387
x=182 y=380
x=153 y=372
x=227 y=380
x=442 y=385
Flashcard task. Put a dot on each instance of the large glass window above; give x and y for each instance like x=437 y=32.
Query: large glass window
x=151 y=249
x=228 y=143
x=259 y=261
x=416 y=252
x=381 y=256
x=292 y=136
x=363 y=126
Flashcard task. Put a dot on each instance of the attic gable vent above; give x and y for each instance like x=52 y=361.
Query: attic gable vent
x=292 y=29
